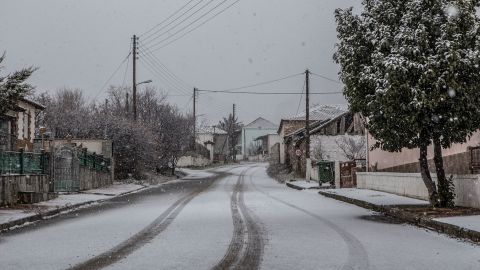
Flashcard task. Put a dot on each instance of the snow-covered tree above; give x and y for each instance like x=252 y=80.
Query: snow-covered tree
x=412 y=68
x=13 y=87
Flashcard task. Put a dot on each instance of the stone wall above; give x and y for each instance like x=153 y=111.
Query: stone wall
x=467 y=187
x=23 y=188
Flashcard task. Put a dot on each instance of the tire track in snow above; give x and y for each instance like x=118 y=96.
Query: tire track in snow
x=144 y=236
x=246 y=247
x=357 y=255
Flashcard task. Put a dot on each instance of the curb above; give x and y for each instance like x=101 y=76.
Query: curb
x=398 y=213
x=19 y=222
x=290 y=185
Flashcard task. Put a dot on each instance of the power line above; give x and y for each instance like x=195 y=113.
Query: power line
x=326 y=78
x=257 y=84
x=159 y=74
x=165 y=76
x=301 y=97
x=267 y=93
x=164 y=67
x=111 y=76
x=169 y=17
x=191 y=30
x=181 y=22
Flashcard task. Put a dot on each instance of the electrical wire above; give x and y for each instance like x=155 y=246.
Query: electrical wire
x=267 y=93
x=195 y=28
x=165 y=76
x=164 y=67
x=161 y=76
x=111 y=77
x=301 y=97
x=190 y=24
x=255 y=84
x=181 y=22
x=326 y=78
x=169 y=17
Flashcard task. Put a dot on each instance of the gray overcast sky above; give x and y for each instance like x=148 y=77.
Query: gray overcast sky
x=79 y=44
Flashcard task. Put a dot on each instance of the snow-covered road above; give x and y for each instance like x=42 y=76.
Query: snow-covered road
x=236 y=218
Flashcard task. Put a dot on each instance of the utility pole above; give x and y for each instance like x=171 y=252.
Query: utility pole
x=307 y=124
x=126 y=104
x=194 y=141
x=106 y=115
x=134 y=80
x=307 y=113
x=233 y=142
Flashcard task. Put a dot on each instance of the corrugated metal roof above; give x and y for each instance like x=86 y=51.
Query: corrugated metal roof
x=323 y=112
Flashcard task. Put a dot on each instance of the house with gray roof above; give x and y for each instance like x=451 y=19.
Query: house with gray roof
x=246 y=142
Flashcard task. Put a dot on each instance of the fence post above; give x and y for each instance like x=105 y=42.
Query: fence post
x=94 y=160
x=21 y=159
x=42 y=161
x=84 y=150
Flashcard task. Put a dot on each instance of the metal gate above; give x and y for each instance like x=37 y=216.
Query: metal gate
x=326 y=171
x=66 y=170
x=347 y=174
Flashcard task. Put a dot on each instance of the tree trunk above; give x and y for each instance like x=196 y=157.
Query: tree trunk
x=426 y=177
x=443 y=185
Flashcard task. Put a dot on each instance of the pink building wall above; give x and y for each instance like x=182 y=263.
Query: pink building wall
x=385 y=160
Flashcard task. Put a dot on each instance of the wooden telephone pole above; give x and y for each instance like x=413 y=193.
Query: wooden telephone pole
x=233 y=142
x=307 y=114
x=194 y=139
x=134 y=80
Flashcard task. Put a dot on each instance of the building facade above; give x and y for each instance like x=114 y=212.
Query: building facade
x=17 y=127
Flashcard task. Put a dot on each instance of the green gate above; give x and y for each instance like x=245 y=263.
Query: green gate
x=66 y=170
x=326 y=171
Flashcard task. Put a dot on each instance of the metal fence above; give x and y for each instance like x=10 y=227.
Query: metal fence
x=94 y=161
x=23 y=163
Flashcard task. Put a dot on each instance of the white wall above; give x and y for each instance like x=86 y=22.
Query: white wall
x=467 y=187
x=190 y=161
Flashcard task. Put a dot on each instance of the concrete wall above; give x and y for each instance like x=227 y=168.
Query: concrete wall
x=384 y=160
x=467 y=187
x=191 y=161
x=12 y=185
x=90 y=179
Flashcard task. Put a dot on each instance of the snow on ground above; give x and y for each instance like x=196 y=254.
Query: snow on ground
x=66 y=200
x=7 y=215
x=195 y=174
x=469 y=222
x=115 y=189
x=376 y=197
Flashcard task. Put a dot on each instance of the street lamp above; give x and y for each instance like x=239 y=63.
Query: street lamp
x=135 y=97
x=145 y=82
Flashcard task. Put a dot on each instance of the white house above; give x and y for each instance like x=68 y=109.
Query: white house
x=17 y=127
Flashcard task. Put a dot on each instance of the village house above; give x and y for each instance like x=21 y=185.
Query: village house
x=249 y=133
x=336 y=135
x=17 y=127
x=264 y=146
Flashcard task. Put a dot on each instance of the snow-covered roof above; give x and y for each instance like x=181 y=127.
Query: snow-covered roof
x=323 y=112
x=261 y=123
